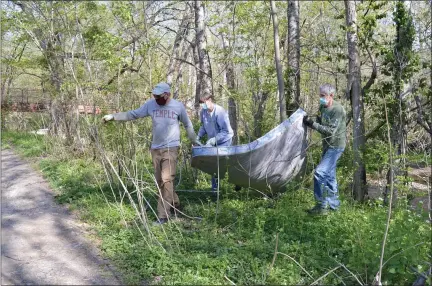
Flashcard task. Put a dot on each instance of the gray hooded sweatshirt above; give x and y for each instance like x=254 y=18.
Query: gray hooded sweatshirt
x=216 y=124
x=165 y=119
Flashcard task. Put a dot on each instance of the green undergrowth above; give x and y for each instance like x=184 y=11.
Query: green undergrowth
x=237 y=243
x=28 y=145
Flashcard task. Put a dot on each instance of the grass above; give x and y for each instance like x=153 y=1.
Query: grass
x=238 y=245
x=29 y=145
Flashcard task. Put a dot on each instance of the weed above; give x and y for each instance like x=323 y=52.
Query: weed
x=240 y=244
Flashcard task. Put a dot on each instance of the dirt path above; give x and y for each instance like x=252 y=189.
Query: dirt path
x=41 y=242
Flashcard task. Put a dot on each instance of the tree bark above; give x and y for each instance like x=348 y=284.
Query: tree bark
x=402 y=48
x=281 y=84
x=398 y=135
x=198 y=77
x=179 y=68
x=354 y=86
x=180 y=38
x=230 y=77
x=260 y=99
x=293 y=56
x=203 y=57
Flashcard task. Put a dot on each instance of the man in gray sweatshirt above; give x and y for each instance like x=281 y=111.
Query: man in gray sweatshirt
x=166 y=113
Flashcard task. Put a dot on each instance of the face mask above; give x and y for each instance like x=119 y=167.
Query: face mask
x=203 y=106
x=323 y=101
x=161 y=100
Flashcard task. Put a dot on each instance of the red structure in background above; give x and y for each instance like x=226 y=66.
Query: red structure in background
x=25 y=100
x=24 y=107
x=41 y=107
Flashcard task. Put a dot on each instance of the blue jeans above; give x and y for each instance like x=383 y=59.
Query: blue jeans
x=325 y=184
x=215 y=179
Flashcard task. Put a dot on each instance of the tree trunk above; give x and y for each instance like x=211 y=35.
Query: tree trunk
x=354 y=85
x=293 y=69
x=60 y=113
x=5 y=88
x=260 y=99
x=198 y=77
x=403 y=49
x=281 y=85
x=230 y=77
x=201 y=45
x=179 y=68
x=191 y=74
x=181 y=35
x=399 y=138
x=396 y=170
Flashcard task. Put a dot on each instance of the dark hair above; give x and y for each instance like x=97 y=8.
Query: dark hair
x=206 y=95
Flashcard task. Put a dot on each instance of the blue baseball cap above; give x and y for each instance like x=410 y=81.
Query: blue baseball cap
x=161 y=88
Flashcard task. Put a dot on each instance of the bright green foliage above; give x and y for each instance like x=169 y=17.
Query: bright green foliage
x=121 y=49
x=405 y=60
x=400 y=60
x=376 y=156
x=239 y=244
x=29 y=145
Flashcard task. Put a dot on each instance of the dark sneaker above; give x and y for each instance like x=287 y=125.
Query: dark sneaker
x=317 y=210
x=160 y=221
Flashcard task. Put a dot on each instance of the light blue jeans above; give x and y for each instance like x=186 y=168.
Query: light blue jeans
x=325 y=184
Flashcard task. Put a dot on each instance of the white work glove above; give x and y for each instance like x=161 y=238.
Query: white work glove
x=107 y=118
x=211 y=142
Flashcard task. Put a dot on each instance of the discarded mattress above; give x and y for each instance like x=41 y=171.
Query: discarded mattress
x=271 y=161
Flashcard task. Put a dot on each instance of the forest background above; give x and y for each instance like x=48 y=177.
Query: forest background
x=262 y=60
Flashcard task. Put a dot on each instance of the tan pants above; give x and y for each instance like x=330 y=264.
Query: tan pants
x=164 y=163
